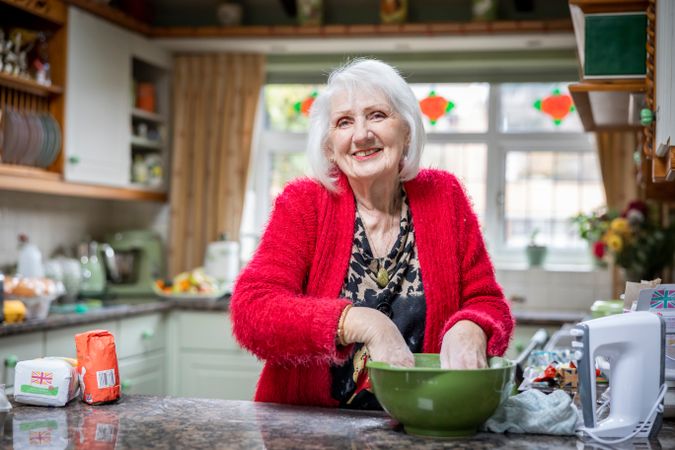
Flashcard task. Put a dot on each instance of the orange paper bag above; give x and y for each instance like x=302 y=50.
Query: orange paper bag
x=97 y=367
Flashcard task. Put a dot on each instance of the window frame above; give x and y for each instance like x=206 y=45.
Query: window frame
x=499 y=143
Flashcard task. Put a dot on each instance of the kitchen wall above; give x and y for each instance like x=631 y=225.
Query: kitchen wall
x=538 y=289
x=53 y=221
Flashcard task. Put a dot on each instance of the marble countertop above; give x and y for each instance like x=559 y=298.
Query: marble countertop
x=136 y=307
x=167 y=422
x=113 y=310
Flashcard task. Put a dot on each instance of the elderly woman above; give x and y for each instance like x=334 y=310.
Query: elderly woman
x=372 y=258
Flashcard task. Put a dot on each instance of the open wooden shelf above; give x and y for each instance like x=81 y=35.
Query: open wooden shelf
x=122 y=19
x=603 y=105
x=377 y=30
x=52 y=11
x=138 y=113
x=29 y=86
x=30 y=179
x=113 y=15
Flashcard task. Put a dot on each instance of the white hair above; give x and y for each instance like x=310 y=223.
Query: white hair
x=364 y=74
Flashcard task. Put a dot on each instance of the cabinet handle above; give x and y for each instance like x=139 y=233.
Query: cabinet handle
x=125 y=385
x=646 y=116
x=11 y=361
x=73 y=159
x=147 y=334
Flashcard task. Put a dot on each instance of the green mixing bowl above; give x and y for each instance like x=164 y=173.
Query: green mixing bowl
x=431 y=401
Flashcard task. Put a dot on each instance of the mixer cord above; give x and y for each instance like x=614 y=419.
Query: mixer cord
x=657 y=406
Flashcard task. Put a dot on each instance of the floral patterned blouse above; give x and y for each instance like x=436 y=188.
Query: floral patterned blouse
x=396 y=291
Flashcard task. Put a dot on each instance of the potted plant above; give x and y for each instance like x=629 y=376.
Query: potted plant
x=535 y=253
x=633 y=239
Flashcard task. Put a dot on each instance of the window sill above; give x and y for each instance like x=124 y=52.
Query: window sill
x=552 y=267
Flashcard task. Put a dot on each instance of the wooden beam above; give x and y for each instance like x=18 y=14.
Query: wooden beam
x=369 y=30
x=53 y=11
x=610 y=6
x=114 y=15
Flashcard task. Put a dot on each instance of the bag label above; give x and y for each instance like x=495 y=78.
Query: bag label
x=52 y=391
x=105 y=378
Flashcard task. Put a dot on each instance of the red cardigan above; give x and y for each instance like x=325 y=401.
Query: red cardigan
x=285 y=306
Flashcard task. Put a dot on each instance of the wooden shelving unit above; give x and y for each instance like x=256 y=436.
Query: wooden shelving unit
x=29 y=86
x=120 y=18
x=604 y=106
x=28 y=179
x=19 y=92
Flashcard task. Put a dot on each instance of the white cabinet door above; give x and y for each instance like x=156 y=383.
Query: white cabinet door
x=18 y=348
x=206 y=360
x=144 y=374
x=665 y=78
x=98 y=101
x=225 y=376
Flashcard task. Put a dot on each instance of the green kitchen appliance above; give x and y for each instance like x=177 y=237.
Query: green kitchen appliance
x=138 y=262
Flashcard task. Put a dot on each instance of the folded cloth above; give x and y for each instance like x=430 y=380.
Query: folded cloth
x=533 y=411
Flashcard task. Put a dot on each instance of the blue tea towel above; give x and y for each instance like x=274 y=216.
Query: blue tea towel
x=533 y=411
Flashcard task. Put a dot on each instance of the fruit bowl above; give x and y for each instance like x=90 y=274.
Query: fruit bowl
x=431 y=401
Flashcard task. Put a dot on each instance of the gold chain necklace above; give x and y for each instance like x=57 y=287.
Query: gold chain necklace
x=382 y=274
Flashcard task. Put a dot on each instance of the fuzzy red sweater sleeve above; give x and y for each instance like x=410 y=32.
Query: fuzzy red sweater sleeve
x=271 y=315
x=482 y=299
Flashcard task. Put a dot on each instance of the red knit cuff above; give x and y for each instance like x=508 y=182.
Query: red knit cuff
x=497 y=338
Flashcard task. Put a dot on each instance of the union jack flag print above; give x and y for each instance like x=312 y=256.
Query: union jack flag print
x=40 y=437
x=38 y=377
x=662 y=299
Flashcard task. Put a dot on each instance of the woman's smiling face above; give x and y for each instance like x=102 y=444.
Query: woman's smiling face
x=366 y=138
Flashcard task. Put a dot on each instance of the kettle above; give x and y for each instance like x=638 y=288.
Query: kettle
x=93 y=271
x=221 y=260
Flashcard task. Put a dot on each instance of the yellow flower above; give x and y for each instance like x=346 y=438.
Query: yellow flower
x=614 y=242
x=620 y=226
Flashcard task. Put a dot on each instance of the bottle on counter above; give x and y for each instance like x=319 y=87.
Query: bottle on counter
x=30 y=259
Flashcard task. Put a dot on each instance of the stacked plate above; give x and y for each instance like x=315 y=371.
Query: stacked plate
x=29 y=138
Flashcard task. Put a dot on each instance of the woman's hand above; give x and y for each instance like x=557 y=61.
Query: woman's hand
x=464 y=347
x=379 y=334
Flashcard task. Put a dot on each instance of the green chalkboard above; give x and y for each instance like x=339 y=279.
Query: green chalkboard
x=615 y=45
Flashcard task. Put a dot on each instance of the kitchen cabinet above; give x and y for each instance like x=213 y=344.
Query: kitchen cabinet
x=61 y=342
x=143 y=374
x=16 y=348
x=208 y=361
x=140 y=344
x=662 y=99
x=96 y=130
x=611 y=101
x=101 y=66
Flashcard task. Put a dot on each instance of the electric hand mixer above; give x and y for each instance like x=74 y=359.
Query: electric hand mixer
x=633 y=344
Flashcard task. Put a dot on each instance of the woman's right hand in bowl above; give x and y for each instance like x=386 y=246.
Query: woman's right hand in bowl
x=379 y=334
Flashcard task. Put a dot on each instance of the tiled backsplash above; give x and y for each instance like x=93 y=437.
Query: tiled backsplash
x=555 y=290
x=53 y=221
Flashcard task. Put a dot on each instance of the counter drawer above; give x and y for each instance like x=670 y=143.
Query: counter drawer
x=141 y=334
x=18 y=348
x=62 y=342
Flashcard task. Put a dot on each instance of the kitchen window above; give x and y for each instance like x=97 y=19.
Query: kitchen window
x=519 y=148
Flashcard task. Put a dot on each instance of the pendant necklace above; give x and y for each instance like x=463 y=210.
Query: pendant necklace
x=382 y=273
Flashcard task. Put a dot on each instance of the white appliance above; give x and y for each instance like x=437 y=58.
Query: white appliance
x=633 y=345
x=221 y=261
